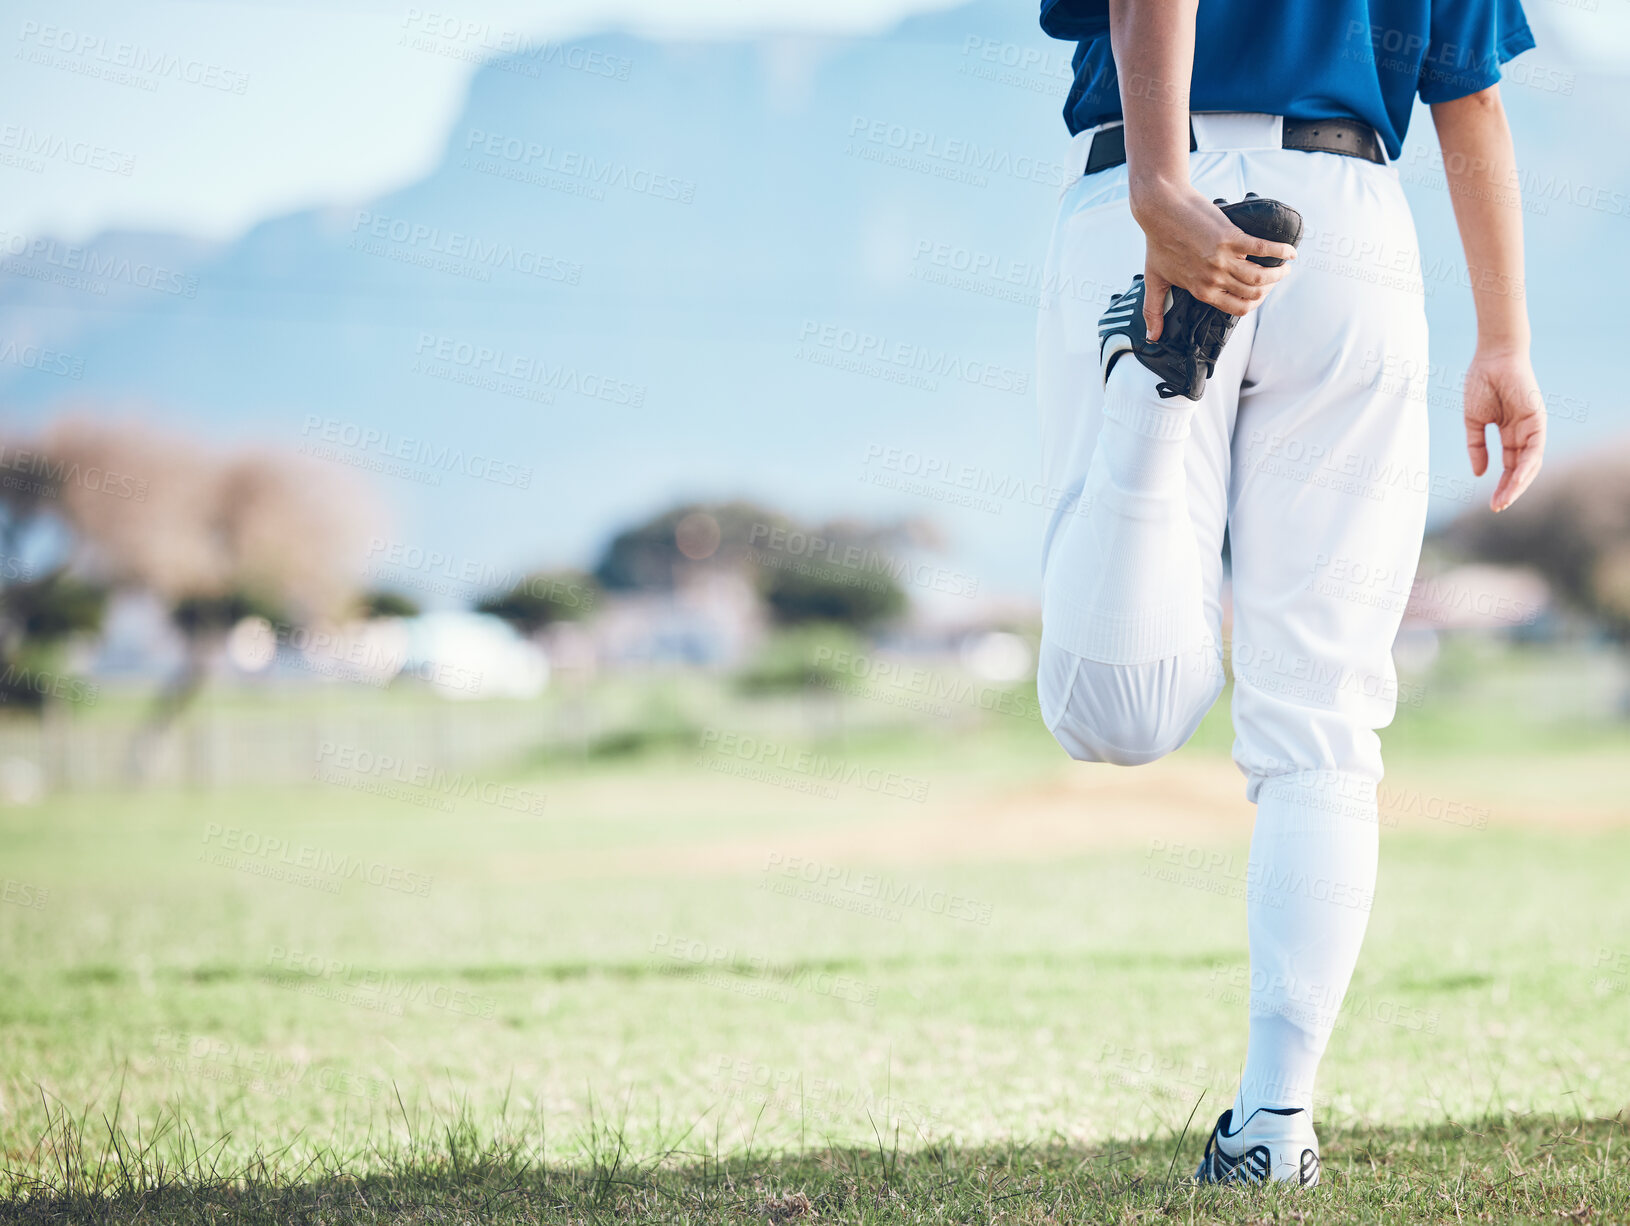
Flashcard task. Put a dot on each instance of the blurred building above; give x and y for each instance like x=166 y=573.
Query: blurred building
x=713 y=618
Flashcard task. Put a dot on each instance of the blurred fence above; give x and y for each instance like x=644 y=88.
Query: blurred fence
x=226 y=748
x=279 y=738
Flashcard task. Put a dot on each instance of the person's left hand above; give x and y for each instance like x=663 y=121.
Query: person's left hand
x=1501 y=391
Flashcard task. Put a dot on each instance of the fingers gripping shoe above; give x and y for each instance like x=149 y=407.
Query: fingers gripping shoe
x=1276 y=1145
x=1194 y=333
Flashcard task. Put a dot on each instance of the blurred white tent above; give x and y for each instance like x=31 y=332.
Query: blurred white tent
x=469 y=655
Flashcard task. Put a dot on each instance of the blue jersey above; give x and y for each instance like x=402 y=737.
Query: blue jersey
x=1310 y=59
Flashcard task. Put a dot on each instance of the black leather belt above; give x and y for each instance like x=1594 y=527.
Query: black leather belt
x=1350 y=137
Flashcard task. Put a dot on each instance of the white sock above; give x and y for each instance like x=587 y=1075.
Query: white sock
x=1143 y=439
x=1311 y=880
x=1281 y=1063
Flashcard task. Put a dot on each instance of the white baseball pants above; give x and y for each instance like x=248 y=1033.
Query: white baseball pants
x=1309 y=450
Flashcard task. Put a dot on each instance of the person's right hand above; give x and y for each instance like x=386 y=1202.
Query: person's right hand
x=1191 y=243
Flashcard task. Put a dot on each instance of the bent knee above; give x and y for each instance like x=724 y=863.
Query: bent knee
x=1088 y=741
x=1125 y=714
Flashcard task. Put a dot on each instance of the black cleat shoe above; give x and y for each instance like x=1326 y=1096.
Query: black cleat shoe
x=1121 y=330
x=1194 y=333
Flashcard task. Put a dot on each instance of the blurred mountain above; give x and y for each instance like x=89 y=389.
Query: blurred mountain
x=621 y=288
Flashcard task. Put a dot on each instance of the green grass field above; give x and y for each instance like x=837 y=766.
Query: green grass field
x=977 y=983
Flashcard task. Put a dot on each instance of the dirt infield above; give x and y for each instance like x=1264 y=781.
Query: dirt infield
x=1074 y=808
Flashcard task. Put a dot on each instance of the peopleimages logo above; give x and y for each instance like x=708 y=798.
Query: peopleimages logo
x=437 y=457
x=252 y=846
x=43 y=360
x=357 y=762
x=459 y=247
x=83 y=268
x=811 y=553
x=512 y=157
x=482 y=360
x=766 y=754
x=122 y=62
x=41 y=145
x=53 y=475
x=867 y=351
x=46 y=684
x=509 y=50
x=966 y=156
x=835 y=879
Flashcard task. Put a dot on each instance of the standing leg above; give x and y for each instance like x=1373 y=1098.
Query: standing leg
x=1330 y=480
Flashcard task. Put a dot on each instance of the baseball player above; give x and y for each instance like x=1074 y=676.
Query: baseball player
x=1258 y=383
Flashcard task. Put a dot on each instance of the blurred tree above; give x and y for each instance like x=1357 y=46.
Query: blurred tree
x=845 y=571
x=803 y=592
x=653 y=556
x=204 y=622
x=1573 y=528
x=542 y=599
x=43 y=605
x=381 y=603
x=213 y=538
x=174 y=519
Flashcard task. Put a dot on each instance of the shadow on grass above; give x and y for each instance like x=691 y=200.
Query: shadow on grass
x=1512 y=1168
